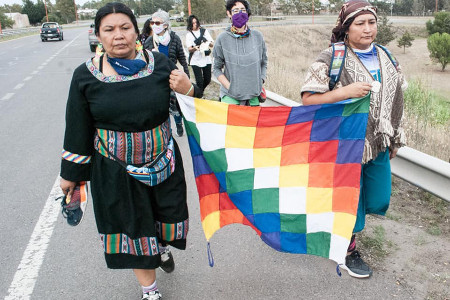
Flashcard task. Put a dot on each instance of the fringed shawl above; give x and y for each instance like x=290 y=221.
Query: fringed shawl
x=384 y=127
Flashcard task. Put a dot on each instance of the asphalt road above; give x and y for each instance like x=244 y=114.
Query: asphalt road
x=43 y=258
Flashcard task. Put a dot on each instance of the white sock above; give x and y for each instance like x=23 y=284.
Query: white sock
x=151 y=288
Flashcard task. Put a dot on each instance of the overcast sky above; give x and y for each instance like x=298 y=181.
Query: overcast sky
x=3 y=2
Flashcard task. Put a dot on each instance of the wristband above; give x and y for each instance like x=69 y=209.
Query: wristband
x=192 y=86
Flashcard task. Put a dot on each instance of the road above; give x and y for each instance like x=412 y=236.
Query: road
x=55 y=261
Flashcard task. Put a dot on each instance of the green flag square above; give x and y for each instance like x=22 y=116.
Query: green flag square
x=318 y=243
x=358 y=107
x=191 y=129
x=265 y=201
x=238 y=181
x=217 y=160
x=293 y=223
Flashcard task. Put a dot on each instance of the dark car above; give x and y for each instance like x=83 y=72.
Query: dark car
x=51 y=30
x=93 y=41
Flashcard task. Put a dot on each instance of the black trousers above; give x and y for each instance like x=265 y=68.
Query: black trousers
x=202 y=76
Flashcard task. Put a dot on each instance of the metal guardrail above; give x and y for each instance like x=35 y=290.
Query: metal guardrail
x=11 y=32
x=422 y=170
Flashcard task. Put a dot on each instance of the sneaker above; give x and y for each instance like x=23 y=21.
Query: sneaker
x=180 y=130
x=356 y=267
x=73 y=206
x=155 y=295
x=167 y=262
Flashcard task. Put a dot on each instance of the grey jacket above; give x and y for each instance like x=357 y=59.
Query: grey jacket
x=243 y=61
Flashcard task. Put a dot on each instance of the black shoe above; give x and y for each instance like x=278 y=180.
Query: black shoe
x=356 y=267
x=167 y=262
x=180 y=129
x=74 y=206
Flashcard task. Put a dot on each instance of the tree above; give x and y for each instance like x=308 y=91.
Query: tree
x=385 y=33
x=207 y=11
x=439 y=47
x=35 y=12
x=405 y=41
x=67 y=10
x=440 y=24
x=5 y=21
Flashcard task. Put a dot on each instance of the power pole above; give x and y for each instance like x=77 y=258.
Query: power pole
x=436 y=6
x=189 y=7
x=46 y=13
x=76 y=14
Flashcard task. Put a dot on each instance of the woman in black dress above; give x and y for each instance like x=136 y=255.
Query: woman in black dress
x=118 y=109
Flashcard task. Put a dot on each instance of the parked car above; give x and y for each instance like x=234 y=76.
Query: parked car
x=51 y=30
x=93 y=41
x=179 y=19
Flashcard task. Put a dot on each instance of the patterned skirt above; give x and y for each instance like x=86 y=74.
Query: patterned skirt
x=133 y=218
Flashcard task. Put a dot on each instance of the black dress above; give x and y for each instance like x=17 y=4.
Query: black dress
x=132 y=218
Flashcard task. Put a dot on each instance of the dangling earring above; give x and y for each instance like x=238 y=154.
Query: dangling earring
x=98 y=52
x=139 y=46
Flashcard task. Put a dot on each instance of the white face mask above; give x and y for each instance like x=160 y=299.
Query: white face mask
x=158 y=29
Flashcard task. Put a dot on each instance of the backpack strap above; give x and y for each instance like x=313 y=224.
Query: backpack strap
x=337 y=63
x=391 y=57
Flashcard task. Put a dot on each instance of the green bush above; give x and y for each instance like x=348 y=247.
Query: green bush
x=385 y=32
x=5 y=21
x=440 y=24
x=405 y=41
x=439 y=46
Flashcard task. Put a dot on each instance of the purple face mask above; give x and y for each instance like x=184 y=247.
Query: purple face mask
x=239 y=20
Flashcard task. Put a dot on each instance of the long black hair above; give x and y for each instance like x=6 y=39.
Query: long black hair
x=114 y=8
x=147 y=29
x=190 y=26
x=230 y=3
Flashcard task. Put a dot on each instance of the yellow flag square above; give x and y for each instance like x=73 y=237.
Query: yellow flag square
x=343 y=224
x=208 y=111
x=267 y=157
x=319 y=200
x=240 y=137
x=294 y=175
x=211 y=223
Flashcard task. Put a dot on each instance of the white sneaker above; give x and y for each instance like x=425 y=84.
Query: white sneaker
x=155 y=295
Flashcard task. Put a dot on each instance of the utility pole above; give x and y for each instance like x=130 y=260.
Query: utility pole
x=46 y=13
x=436 y=6
x=189 y=7
x=76 y=14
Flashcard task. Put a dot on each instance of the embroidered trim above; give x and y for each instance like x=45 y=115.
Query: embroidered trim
x=120 y=243
x=76 y=158
x=119 y=78
x=172 y=231
x=134 y=147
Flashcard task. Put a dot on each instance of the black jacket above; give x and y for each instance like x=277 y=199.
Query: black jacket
x=176 y=51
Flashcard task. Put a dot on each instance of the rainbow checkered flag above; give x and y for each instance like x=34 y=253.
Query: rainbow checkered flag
x=291 y=173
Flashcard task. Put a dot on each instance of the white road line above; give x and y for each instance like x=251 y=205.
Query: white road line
x=28 y=78
x=24 y=280
x=19 y=86
x=40 y=67
x=8 y=96
x=44 y=63
x=27 y=272
x=34 y=72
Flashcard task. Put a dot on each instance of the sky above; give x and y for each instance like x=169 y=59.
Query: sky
x=3 y=2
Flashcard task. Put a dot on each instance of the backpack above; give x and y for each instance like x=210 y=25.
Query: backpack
x=338 y=58
x=198 y=41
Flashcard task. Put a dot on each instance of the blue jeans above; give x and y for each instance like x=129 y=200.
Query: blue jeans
x=375 y=189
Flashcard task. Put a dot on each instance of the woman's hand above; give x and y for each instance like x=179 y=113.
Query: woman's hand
x=357 y=89
x=180 y=83
x=393 y=152
x=67 y=186
x=193 y=49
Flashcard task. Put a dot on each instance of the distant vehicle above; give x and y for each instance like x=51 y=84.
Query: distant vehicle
x=179 y=19
x=93 y=41
x=51 y=30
